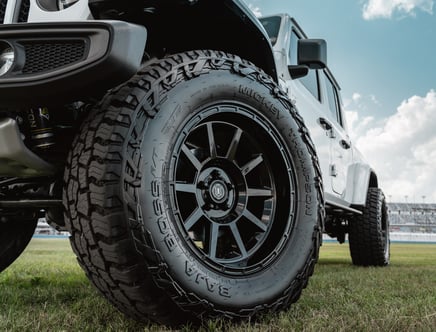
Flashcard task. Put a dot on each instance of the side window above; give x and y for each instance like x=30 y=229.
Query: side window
x=293 y=49
x=310 y=81
x=333 y=100
x=272 y=27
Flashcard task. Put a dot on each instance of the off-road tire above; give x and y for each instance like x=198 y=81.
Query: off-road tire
x=15 y=235
x=369 y=233
x=128 y=193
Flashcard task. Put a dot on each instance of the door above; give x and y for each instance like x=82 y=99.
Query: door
x=340 y=150
x=305 y=92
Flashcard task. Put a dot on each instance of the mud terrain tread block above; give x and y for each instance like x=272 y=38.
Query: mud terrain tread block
x=139 y=273
x=111 y=257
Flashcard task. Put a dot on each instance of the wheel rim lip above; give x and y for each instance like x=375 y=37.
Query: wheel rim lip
x=226 y=265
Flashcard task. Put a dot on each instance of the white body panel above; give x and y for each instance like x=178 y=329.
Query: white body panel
x=77 y=12
x=345 y=173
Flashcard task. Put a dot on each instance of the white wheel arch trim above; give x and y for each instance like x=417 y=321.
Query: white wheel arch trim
x=78 y=12
x=357 y=183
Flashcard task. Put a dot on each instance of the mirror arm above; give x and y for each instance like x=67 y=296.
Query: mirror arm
x=298 y=71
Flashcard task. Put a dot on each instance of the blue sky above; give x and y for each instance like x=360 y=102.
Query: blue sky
x=383 y=53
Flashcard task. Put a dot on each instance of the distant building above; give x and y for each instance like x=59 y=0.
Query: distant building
x=44 y=229
x=412 y=217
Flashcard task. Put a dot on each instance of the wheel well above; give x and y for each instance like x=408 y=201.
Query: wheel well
x=218 y=25
x=180 y=26
x=373 y=181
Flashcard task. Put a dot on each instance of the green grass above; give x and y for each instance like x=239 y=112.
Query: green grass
x=45 y=290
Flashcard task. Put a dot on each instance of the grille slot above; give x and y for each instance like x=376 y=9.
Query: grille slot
x=3 y=4
x=24 y=11
x=47 y=56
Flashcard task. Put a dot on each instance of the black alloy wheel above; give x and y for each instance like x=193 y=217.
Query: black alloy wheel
x=231 y=184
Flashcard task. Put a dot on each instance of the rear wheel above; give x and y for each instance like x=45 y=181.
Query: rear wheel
x=369 y=233
x=194 y=192
x=15 y=235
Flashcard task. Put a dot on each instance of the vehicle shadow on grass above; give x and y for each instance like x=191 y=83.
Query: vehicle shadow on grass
x=335 y=261
x=58 y=301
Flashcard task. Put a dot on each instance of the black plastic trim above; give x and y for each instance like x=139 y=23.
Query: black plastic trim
x=114 y=53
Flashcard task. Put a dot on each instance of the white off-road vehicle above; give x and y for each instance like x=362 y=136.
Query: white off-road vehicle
x=195 y=153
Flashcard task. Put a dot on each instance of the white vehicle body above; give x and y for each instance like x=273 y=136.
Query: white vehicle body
x=346 y=174
x=194 y=153
x=76 y=11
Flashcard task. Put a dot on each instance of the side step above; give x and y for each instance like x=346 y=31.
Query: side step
x=337 y=207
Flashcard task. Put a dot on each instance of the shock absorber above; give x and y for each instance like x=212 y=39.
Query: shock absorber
x=41 y=132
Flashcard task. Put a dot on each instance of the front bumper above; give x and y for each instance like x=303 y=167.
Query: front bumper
x=65 y=61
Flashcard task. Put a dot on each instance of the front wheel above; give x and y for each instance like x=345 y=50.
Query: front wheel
x=194 y=192
x=369 y=233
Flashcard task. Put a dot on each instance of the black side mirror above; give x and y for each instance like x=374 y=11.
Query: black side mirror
x=312 y=53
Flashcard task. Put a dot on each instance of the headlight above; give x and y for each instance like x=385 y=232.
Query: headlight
x=64 y=4
x=7 y=57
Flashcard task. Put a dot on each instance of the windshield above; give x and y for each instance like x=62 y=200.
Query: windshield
x=272 y=26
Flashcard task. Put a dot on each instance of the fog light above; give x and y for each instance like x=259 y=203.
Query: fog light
x=7 y=57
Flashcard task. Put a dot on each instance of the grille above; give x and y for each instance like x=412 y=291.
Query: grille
x=24 y=11
x=47 y=56
x=3 y=4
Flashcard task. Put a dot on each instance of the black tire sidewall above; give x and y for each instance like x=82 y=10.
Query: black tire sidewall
x=384 y=219
x=186 y=269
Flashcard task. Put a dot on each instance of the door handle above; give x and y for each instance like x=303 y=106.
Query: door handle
x=345 y=144
x=325 y=124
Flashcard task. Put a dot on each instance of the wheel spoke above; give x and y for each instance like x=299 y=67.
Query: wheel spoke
x=211 y=137
x=255 y=192
x=238 y=239
x=230 y=178
x=193 y=218
x=213 y=240
x=192 y=158
x=255 y=220
x=231 y=153
x=186 y=187
x=252 y=164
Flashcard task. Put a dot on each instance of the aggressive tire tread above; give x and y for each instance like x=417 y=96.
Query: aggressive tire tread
x=368 y=247
x=118 y=254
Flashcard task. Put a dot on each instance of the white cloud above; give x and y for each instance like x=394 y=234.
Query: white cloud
x=402 y=149
x=354 y=106
x=255 y=9
x=373 y=9
x=357 y=126
x=356 y=97
x=374 y=99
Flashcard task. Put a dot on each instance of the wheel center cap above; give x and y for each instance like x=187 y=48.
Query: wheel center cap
x=218 y=191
